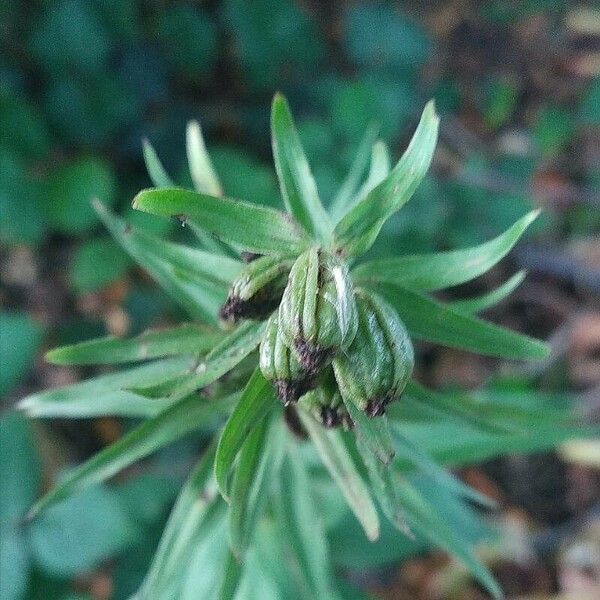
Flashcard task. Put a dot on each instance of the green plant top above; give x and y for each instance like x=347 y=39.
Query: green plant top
x=294 y=339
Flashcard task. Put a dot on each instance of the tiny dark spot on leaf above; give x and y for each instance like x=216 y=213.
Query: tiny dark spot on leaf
x=182 y=219
x=248 y=257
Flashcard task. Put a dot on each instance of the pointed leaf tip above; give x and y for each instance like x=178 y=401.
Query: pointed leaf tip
x=201 y=168
x=428 y=272
x=296 y=182
x=97 y=205
x=249 y=226
x=154 y=167
x=431 y=320
x=430 y=108
x=530 y=217
x=358 y=229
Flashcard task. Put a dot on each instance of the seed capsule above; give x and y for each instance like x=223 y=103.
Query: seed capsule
x=317 y=314
x=279 y=365
x=257 y=291
x=376 y=367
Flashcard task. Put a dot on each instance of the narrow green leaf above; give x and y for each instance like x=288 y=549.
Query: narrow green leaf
x=185 y=339
x=257 y=399
x=197 y=263
x=375 y=433
x=249 y=470
x=474 y=305
x=232 y=574
x=201 y=299
x=454 y=444
x=297 y=184
x=456 y=428
x=175 y=422
x=155 y=169
x=439 y=406
x=258 y=466
x=415 y=455
x=357 y=231
x=342 y=469
x=378 y=171
x=121 y=403
x=426 y=522
x=511 y=413
x=349 y=186
x=163 y=389
x=204 y=571
x=285 y=575
x=99 y=394
x=222 y=358
x=430 y=272
x=202 y=552
x=429 y=320
x=187 y=517
x=303 y=524
x=160 y=179
x=202 y=171
x=209 y=242
x=250 y=226
x=384 y=485
x=258 y=582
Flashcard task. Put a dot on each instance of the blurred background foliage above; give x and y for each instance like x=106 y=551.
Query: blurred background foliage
x=82 y=82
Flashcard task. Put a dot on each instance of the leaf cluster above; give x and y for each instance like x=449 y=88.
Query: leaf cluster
x=254 y=490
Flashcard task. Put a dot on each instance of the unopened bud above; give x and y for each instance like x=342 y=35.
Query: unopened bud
x=376 y=367
x=280 y=366
x=327 y=408
x=317 y=314
x=256 y=293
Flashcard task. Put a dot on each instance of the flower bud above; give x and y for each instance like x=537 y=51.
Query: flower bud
x=327 y=407
x=376 y=367
x=317 y=314
x=279 y=365
x=257 y=291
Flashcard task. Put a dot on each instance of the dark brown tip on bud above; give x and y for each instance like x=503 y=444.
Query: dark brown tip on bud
x=235 y=308
x=330 y=417
x=376 y=407
x=347 y=422
x=287 y=391
x=230 y=311
x=291 y=391
x=311 y=357
x=290 y=414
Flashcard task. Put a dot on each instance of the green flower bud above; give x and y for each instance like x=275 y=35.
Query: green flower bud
x=257 y=291
x=328 y=408
x=279 y=365
x=317 y=314
x=376 y=367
